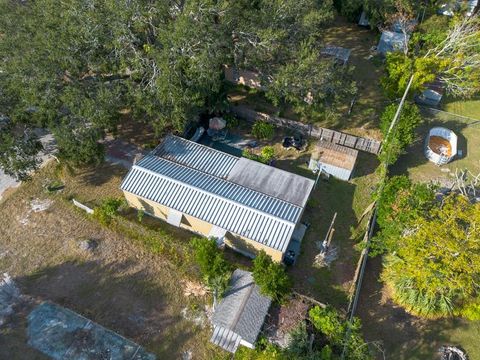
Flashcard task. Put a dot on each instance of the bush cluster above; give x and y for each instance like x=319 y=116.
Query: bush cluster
x=263 y=130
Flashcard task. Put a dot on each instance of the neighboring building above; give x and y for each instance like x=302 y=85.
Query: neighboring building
x=336 y=160
x=240 y=315
x=339 y=53
x=247 y=205
x=392 y=41
x=364 y=20
x=452 y=7
x=432 y=95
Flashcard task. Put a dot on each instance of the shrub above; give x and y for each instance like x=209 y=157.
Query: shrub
x=271 y=277
x=267 y=154
x=214 y=268
x=247 y=153
x=402 y=135
x=333 y=327
x=232 y=121
x=107 y=210
x=326 y=321
x=263 y=130
x=264 y=350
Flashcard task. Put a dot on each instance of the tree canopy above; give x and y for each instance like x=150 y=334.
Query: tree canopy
x=215 y=270
x=271 y=277
x=402 y=135
x=431 y=247
x=73 y=66
x=444 y=50
x=435 y=269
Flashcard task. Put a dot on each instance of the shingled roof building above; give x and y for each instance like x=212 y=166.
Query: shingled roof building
x=247 y=205
x=239 y=317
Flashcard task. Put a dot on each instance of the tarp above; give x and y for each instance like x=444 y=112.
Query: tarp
x=63 y=335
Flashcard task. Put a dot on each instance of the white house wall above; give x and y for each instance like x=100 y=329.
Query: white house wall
x=338 y=172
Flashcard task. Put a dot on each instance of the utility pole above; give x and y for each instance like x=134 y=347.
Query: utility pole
x=369 y=231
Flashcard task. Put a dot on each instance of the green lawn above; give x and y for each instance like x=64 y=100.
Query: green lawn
x=469 y=108
x=419 y=168
x=349 y=200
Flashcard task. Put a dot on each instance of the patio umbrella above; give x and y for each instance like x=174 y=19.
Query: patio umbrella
x=217 y=123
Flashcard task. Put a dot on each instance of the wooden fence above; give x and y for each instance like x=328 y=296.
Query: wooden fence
x=336 y=137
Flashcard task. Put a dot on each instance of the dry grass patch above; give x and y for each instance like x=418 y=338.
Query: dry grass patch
x=120 y=284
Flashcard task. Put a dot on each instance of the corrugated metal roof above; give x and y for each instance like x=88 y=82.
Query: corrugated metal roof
x=196 y=156
x=226 y=189
x=194 y=179
x=225 y=338
x=241 y=312
x=218 y=202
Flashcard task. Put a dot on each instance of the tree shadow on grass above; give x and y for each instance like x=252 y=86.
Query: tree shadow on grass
x=99 y=175
x=401 y=335
x=119 y=297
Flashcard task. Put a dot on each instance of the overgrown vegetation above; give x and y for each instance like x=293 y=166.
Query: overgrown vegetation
x=434 y=265
x=443 y=50
x=107 y=210
x=431 y=249
x=402 y=135
x=263 y=130
x=322 y=339
x=267 y=154
x=271 y=277
x=215 y=270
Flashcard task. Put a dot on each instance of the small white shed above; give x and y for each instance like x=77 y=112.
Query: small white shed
x=336 y=160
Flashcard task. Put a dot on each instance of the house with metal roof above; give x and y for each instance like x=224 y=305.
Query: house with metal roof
x=239 y=317
x=333 y=159
x=244 y=204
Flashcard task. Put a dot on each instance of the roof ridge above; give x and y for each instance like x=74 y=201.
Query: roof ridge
x=241 y=308
x=222 y=179
x=219 y=196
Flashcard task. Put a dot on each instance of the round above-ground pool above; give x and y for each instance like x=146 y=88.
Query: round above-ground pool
x=440 y=145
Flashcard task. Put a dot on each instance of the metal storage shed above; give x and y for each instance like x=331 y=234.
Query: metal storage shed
x=336 y=160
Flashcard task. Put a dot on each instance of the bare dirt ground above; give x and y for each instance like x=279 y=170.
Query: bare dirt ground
x=119 y=285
